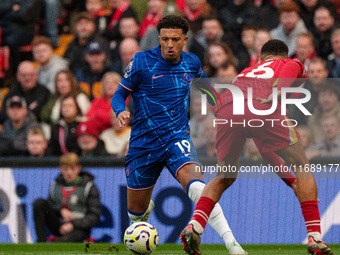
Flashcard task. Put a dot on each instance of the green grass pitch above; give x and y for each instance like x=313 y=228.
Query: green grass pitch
x=102 y=248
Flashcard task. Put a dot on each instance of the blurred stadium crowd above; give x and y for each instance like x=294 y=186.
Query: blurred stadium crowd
x=61 y=61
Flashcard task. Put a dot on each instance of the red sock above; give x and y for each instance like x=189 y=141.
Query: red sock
x=202 y=211
x=311 y=214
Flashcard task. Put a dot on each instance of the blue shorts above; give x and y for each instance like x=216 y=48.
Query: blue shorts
x=143 y=166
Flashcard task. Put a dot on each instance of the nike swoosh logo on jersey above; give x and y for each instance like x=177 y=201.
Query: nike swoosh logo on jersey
x=156 y=77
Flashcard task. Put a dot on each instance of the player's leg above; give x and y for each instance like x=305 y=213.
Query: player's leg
x=274 y=160
x=192 y=180
x=139 y=204
x=295 y=156
x=143 y=168
x=186 y=169
x=212 y=193
x=208 y=210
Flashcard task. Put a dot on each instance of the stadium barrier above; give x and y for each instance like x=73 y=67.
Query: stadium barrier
x=260 y=209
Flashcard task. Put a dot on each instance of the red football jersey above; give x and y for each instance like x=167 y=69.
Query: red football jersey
x=264 y=76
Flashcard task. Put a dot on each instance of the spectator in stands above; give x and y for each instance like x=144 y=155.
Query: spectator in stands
x=317 y=74
x=85 y=32
x=88 y=141
x=305 y=48
x=262 y=36
x=333 y=61
x=27 y=86
x=49 y=63
x=73 y=8
x=63 y=135
x=308 y=7
x=36 y=143
x=153 y=14
x=118 y=10
x=306 y=137
x=246 y=46
x=248 y=35
x=116 y=138
x=227 y=71
x=328 y=105
x=128 y=28
x=99 y=112
x=127 y=49
x=95 y=7
x=237 y=14
x=73 y=206
x=51 y=13
x=15 y=128
x=337 y=7
x=217 y=54
x=65 y=84
x=209 y=137
x=268 y=11
x=97 y=63
x=211 y=32
x=291 y=25
x=97 y=10
x=329 y=146
x=324 y=21
x=195 y=11
x=17 y=23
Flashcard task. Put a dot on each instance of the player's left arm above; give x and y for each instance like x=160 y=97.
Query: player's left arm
x=293 y=74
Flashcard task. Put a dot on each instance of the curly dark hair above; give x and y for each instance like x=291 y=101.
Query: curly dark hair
x=274 y=47
x=173 y=22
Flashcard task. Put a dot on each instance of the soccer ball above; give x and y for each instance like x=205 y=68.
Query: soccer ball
x=141 y=238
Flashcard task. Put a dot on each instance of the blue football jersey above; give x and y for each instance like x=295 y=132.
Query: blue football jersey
x=160 y=92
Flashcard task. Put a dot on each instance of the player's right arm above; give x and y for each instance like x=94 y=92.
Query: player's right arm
x=118 y=105
x=126 y=86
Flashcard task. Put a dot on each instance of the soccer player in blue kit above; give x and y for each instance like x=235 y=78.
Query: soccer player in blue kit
x=159 y=81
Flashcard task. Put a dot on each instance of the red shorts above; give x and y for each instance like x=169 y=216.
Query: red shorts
x=274 y=131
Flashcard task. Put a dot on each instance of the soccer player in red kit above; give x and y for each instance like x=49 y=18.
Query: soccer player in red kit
x=275 y=70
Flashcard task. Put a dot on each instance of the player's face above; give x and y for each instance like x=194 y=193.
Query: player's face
x=172 y=42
